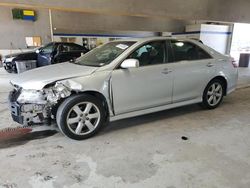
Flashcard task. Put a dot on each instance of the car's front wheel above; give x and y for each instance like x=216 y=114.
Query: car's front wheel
x=14 y=67
x=80 y=116
x=8 y=69
x=213 y=94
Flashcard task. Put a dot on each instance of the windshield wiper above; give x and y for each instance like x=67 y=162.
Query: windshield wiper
x=90 y=65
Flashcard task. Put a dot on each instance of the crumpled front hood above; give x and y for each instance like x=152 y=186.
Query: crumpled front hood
x=40 y=77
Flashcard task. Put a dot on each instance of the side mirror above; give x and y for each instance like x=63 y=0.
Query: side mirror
x=130 y=63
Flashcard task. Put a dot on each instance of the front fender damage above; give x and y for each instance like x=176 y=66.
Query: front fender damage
x=42 y=109
x=59 y=91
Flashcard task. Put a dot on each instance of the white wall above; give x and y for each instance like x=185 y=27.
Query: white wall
x=217 y=37
x=241 y=40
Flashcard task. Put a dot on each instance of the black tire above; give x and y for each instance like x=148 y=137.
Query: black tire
x=14 y=68
x=8 y=70
x=65 y=109
x=205 y=98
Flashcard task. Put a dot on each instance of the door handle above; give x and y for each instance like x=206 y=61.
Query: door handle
x=210 y=64
x=166 y=71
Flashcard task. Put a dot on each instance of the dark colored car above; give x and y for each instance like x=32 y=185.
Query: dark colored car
x=54 y=52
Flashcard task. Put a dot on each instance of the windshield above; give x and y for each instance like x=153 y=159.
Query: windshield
x=104 y=54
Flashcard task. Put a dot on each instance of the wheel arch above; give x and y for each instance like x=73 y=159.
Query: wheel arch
x=93 y=93
x=223 y=79
x=96 y=94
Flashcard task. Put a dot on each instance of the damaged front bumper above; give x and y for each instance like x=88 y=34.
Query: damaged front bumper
x=16 y=112
x=28 y=114
x=35 y=107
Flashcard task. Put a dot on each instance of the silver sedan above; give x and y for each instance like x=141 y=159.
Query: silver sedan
x=122 y=79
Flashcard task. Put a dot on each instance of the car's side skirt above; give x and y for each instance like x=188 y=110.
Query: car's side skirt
x=155 y=109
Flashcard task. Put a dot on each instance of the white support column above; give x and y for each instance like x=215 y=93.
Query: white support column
x=51 y=25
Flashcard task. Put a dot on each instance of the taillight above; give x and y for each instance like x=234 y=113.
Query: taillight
x=234 y=63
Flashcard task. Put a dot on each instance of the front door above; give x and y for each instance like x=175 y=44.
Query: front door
x=150 y=85
x=45 y=55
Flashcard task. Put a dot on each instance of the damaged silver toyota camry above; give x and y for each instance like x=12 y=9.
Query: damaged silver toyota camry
x=122 y=79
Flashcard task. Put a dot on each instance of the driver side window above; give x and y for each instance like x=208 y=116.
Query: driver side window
x=150 y=54
x=47 y=49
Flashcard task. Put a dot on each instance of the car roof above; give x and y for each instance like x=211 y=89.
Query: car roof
x=142 y=39
x=145 y=39
x=65 y=43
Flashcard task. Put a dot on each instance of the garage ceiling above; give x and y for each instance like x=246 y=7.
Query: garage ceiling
x=175 y=9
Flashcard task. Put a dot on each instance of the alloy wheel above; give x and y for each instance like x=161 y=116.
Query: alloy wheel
x=83 y=118
x=214 y=94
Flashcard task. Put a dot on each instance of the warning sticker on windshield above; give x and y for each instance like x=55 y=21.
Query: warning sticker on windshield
x=122 y=46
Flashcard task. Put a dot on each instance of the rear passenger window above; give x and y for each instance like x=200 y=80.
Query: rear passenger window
x=63 y=48
x=69 y=48
x=188 y=51
x=202 y=54
x=74 y=47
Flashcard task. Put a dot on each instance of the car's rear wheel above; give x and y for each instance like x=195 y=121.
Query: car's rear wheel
x=213 y=94
x=80 y=116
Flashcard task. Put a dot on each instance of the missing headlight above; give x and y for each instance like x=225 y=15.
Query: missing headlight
x=57 y=92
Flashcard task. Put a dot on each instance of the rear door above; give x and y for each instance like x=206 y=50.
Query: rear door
x=193 y=68
x=67 y=52
x=63 y=53
x=76 y=50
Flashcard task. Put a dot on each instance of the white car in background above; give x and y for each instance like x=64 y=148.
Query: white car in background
x=122 y=79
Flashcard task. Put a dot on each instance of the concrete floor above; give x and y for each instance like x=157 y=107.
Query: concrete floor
x=146 y=151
